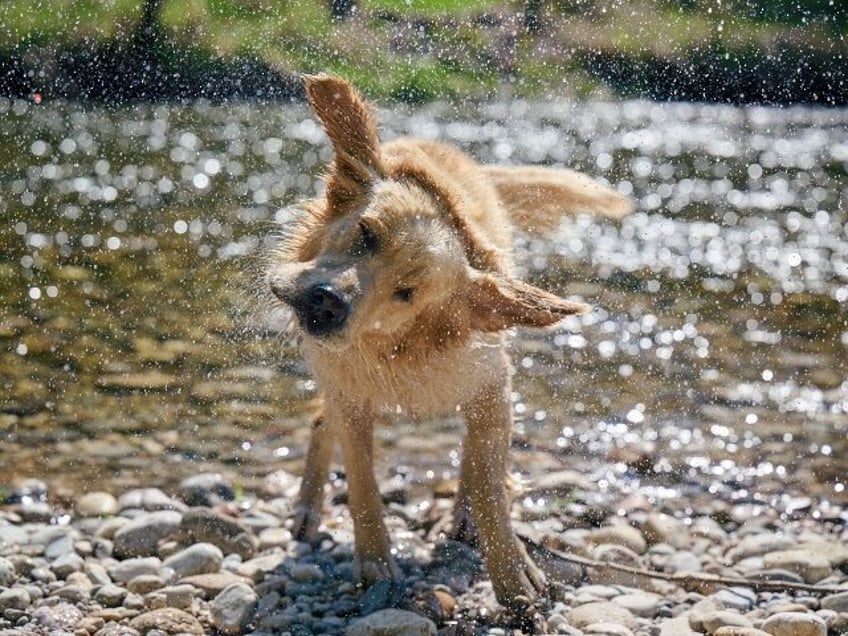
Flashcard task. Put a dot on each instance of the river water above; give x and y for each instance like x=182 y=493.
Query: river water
x=136 y=347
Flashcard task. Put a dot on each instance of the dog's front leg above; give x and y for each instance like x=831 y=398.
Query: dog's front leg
x=307 y=514
x=373 y=560
x=515 y=578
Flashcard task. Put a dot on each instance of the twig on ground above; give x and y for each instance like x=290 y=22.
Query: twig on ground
x=686 y=580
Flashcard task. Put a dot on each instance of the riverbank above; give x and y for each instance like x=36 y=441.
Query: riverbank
x=647 y=49
x=202 y=561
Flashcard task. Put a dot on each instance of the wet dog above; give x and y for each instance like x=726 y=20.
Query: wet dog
x=401 y=279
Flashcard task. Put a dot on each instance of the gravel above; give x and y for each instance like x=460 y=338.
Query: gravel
x=197 y=562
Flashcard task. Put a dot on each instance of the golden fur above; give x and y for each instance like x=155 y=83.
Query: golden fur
x=401 y=276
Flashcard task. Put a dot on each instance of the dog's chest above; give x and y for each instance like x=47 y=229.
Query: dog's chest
x=435 y=385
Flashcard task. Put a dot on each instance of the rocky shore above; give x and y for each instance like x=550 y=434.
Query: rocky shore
x=203 y=560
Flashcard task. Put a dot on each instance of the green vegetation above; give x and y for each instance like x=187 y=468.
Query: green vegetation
x=420 y=49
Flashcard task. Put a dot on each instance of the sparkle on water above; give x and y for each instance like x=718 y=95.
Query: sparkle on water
x=715 y=357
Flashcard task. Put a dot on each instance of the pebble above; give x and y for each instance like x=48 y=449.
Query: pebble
x=141 y=536
x=794 y=624
x=167 y=620
x=7 y=572
x=235 y=568
x=601 y=612
x=233 y=608
x=125 y=571
x=811 y=565
x=199 y=558
x=721 y=618
x=836 y=602
x=227 y=533
x=392 y=622
x=97 y=504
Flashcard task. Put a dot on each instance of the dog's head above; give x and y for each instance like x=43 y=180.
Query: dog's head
x=388 y=250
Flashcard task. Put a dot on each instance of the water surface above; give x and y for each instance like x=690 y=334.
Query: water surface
x=136 y=349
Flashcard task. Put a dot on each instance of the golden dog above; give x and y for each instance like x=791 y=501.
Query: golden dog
x=400 y=276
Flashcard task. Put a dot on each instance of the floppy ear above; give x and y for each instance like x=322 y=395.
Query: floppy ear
x=536 y=197
x=350 y=126
x=497 y=303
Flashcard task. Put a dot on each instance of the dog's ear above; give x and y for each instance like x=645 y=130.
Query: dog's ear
x=350 y=126
x=497 y=303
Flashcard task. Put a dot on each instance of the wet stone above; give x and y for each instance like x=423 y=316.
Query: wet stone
x=392 y=622
x=124 y=571
x=61 y=616
x=97 y=504
x=169 y=620
x=794 y=624
x=141 y=536
x=836 y=602
x=601 y=612
x=212 y=584
x=180 y=596
x=199 y=558
x=110 y=595
x=606 y=629
x=233 y=608
x=811 y=565
x=142 y=382
x=206 y=489
x=7 y=572
x=720 y=618
x=230 y=536
x=14 y=598
x=149 y=499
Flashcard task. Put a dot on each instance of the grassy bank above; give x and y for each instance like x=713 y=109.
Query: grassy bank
x=423 y=49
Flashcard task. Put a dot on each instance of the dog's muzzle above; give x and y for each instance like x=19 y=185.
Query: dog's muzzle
x=321 y=309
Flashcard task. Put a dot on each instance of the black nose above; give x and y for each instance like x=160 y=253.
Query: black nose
x=323 y=310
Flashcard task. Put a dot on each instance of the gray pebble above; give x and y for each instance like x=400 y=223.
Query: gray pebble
x=14 y=598
x=738 y=598
x=794 y=624
x=123 y=571
x=110 y=595
x=148 y=499
x=306 y=572
x=721 y=618
x=7 y=572
x=199 y=558
x=392 y=622
x=836 y=602
x=233 y=609
x=141 y=536
x=97 y=504
x=180 y=596
x=66 y=564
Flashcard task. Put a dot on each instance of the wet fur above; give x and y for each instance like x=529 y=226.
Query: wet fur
x=413 y=238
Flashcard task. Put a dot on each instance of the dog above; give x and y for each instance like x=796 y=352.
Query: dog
x=402 y=283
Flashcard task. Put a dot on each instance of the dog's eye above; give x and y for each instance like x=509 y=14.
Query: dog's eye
x=404 y=294
x=368 y=238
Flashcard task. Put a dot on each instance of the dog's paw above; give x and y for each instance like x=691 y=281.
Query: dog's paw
x=370 y=570
x=304 y=524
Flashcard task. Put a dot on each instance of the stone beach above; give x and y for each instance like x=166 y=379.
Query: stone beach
x=197 y=562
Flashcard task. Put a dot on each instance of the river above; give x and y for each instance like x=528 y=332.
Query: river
x=137 y=348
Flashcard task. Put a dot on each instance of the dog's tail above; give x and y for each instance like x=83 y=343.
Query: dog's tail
x=537 y=198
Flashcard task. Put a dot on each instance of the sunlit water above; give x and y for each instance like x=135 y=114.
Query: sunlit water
x=135 y=348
